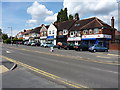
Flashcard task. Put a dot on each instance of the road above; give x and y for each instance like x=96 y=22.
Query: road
x=70 y=68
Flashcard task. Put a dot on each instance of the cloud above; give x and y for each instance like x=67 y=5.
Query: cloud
x=103 y=9
x=38 y=13
x=51 y=18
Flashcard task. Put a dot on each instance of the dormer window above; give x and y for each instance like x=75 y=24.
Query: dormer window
x=96 y=30
x=77 y=24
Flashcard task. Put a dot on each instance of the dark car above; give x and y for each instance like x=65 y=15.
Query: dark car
x=65 y=46
x=97 y=48
x=81 y=47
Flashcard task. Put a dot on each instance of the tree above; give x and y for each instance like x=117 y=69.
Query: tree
x=0 y=31
x=70 y=17
x=4 y=36
x=62 y=15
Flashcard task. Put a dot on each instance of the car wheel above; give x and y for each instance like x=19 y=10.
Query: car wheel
x=94 y=50
x=67 y=48
x=106 y=50
x=80 y=49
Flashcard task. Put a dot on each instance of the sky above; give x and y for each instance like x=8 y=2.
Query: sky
x=29 y=14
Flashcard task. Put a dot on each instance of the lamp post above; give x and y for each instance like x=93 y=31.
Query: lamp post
x=11 y=34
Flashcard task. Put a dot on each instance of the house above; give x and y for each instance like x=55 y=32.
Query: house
x=43 y=33
x=26 y=35
x=91 y=31
x=63 y=30
x=35 y=34
x=20 y=35
x=52 y=34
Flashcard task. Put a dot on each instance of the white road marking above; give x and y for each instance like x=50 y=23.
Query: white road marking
x=104 y=70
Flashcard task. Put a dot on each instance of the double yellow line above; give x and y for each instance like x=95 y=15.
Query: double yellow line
x=57 y=78
x=67 y=56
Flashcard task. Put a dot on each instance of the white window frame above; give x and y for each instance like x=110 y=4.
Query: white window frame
x=85 y=31
x=49 y=32
x=90 y=31
x=53 y=32
x=65 y=32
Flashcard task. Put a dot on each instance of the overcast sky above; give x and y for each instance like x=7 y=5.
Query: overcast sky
x=30 y=13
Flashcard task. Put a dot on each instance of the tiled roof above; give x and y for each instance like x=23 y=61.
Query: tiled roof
x=36 y=30
x=66 y=25
x=89 y=23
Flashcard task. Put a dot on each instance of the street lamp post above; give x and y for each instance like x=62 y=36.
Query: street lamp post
x=11 y=34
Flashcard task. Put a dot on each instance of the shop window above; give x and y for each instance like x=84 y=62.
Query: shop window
x=96 y=30
x=90 y=31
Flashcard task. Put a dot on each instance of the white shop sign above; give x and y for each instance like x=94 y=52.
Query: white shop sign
x=97 y=36
x=74 y=39
x=43 y=37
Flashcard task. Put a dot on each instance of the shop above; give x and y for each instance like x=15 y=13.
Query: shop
x=62 y=38
x=101 y=39
x=43 y=39
x=51 y=39
x=74 y=40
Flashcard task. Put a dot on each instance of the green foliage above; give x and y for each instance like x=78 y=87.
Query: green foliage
x=70 y=17
x=62 y=15
x=4 y=36
x=0 y=31
x=7 y=41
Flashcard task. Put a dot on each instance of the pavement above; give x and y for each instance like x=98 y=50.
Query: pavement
x=62 y=68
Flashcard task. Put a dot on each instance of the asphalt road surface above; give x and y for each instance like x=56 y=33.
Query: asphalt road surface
x=69 y=68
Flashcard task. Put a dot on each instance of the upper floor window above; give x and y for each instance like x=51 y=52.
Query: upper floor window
x=52 y=31
x=96 y=30
x=85 y=32
x=65 y=32
x=78 y=33
x=49 y=32
x=44 y=34
x=71 y=33
x=60 y=32
x=90 y=31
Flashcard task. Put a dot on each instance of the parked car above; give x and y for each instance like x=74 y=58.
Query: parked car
x=29 y=43
x=65 y=46
x=97 y=48
x=81 y=47
x=35 y=44
x=48 y=45
x=42 y=44
x=25 y=43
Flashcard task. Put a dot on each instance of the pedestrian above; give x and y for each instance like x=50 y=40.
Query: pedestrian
x=51 y=49
x=16 y=43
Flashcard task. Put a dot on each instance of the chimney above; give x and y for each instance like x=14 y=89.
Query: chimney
x=24 y=30
x=112 y=22
x=76 y=17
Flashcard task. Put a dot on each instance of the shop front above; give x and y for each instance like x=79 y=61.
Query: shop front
x=101 y=39
x=43 y=39
x=74 y=40
x=51 y=39
x=62 y=38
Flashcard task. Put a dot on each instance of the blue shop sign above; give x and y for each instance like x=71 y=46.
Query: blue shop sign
x=50 y=37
